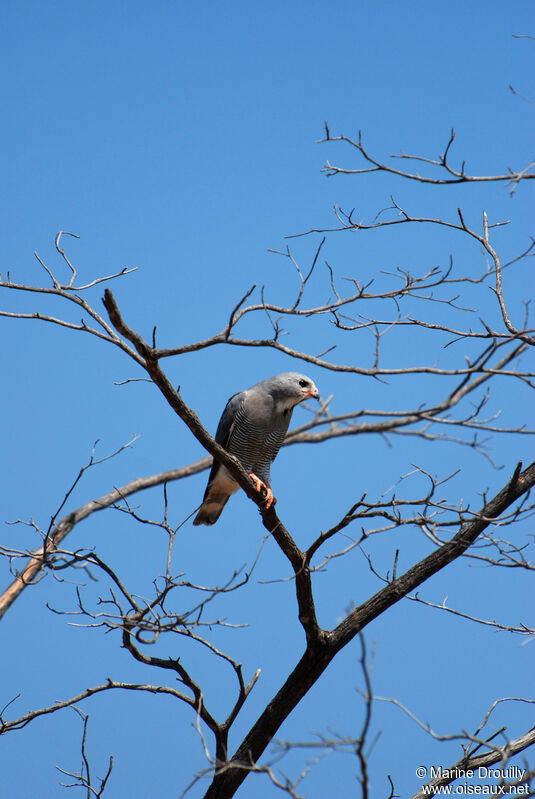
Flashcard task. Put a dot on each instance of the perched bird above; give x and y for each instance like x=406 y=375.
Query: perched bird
x=252 y=428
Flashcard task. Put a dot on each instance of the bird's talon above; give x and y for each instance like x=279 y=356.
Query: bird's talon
x=263 y=489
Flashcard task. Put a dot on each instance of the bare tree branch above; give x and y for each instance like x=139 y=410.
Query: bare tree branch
x=452 y=175
x=83 y=778
x=323 y=648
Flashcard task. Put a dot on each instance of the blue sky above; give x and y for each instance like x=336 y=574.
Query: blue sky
x=181 y=139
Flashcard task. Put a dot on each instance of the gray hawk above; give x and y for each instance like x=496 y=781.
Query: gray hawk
x=252 y=428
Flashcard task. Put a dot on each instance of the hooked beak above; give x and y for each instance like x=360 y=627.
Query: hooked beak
x=314 y=393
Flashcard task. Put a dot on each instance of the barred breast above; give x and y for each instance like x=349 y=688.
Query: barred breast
x=256 y=442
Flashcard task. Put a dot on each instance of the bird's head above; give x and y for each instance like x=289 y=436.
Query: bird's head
x=291 y=388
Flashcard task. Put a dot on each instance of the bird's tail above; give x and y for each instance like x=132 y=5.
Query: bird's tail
x=211 y=508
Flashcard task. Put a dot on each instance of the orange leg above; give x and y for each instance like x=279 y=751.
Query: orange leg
x=264 y=489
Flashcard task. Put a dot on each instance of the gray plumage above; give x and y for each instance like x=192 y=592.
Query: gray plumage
x=252 y=427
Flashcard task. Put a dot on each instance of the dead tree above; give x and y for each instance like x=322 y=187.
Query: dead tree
x=479 y=351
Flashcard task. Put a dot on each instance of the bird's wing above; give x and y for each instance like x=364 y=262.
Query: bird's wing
x=228 y=419
x=220 y=483
x=224 y=431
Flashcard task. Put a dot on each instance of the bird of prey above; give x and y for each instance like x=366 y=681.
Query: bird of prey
x=252 y=428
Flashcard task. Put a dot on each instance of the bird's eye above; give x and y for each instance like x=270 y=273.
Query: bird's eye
x=303 y=383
